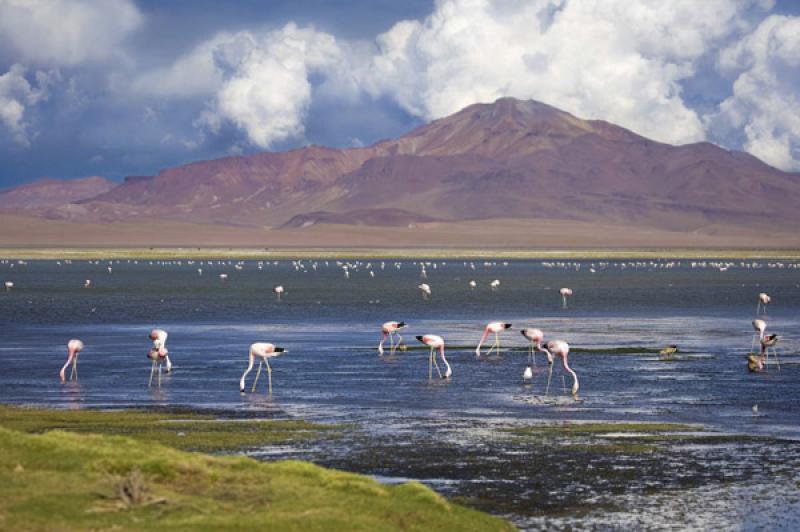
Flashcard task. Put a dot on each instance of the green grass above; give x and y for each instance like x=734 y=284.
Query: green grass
x=67 y=481
x=182 y=430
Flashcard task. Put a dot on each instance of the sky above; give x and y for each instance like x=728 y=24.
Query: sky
x=129 y=87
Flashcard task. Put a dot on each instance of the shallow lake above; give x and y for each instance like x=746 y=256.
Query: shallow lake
x=452 y=434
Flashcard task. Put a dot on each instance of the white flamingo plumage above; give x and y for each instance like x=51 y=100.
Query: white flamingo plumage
x=494 y=327
x=435 y=342
x=264 y=351
x=388 y=330
x=561 y=348
x=74 y=347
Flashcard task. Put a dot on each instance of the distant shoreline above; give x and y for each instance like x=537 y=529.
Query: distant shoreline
x=284 y=253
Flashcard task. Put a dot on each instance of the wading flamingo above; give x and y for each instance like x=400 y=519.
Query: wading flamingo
x=494 y=327
x=565 y=293
x=495 y=284
x=435 y=342
x=159 y=338
x=278 y=291
x=9 y=285
x=769 y=341
x=535 y=337
x=763 y=301
x=74 y=347
x=389 y=329
x=426 y=290
x=561 y=348
x=760 y=326
x=87 y=283
x=264 y=351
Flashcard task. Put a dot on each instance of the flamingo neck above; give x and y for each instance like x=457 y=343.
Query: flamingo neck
x=446 y=363
x=483 y=339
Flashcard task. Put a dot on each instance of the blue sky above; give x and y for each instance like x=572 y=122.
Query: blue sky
x=127 y=87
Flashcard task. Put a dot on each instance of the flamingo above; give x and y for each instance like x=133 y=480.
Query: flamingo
x=74 y=347
x=389 y=329
x=769 y=341
x=159 y=338
x=493 y=327
x=760 y=326
x=223 y=277
x=535 y=337
x=87 y=283
x=264 y=351
x=435 y=342
x=473 y=284
x=561 y=348
x=763 y=301
x=278 y=291
x=495 y=284
x=9 y=285
x=426 y=290
x=565 y=293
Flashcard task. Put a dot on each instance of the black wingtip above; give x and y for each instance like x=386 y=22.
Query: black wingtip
x=279 y=349
x=401 y=324
x=418 y=338
x=507 y=325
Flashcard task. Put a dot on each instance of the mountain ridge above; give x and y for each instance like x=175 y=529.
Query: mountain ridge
x=510 y=159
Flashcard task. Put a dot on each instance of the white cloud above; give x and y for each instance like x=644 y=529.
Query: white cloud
x=265 y=87
x=16 y=94
x=66 y=32
x=616 y=60
x=764 y=105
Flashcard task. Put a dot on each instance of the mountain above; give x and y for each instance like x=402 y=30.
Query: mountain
x=509 y=160
x=49 y=192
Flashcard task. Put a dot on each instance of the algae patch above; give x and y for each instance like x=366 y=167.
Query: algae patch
x=183 y=430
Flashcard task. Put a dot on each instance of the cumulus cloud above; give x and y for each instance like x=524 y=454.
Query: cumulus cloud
x=617 y=60
x=17 y=94
x=66 y=32
x=764 y=108
x=261 y=82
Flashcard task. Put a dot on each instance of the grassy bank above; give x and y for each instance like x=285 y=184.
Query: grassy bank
x=64 y=480
x=183 y=430
x=167 y=253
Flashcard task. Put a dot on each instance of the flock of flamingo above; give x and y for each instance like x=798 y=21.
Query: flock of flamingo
x=159 y=355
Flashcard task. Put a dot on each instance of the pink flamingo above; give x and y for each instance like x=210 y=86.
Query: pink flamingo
x=763 y=301
x=159 y=338
x=264 y=351
x=565 y=293
x=435 y=342
x=561 y=348
x=74 y=347
x=389 y=329
x=493 y=327
x=768 y=341
x=760 y=326
x=535 y=337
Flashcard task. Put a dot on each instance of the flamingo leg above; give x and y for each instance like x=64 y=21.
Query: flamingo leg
x=152 y=372
x=437 y=367
x=430 y=365
x=391 y=341
x=74 y=373
x=399 y=339
x=563 y=383
x=269 y=376
x=258 y=373
x=169 y=365
x=497 y=341
x=159 y=374
x=549 y=376
x=753 y=343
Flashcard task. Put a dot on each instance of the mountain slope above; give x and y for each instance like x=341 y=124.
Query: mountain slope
x=510 y=159
x=48 y=192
